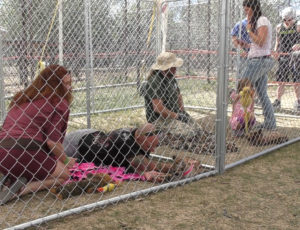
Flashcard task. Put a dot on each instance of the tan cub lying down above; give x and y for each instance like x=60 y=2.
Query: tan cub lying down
x=88 y=185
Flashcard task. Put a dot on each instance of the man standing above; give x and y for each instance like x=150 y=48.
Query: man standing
x=287 y=39
x=240 y=39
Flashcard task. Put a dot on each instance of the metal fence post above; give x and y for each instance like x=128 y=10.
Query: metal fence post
x=92 y=79
x=2 y=83
x=222 y=88
x=158 y=28
x=238 y=56
x=87 y=11
x=60 y=34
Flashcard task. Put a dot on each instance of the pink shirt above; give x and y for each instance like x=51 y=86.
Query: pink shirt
x=38 y=120
x=238 y=111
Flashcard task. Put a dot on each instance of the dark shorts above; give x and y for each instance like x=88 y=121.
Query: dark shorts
x=287 y=71
x=34 y=165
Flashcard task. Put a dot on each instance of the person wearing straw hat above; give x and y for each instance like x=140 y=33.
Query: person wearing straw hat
x=163 y=100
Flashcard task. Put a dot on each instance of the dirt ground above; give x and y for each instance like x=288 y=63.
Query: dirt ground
x=212 y=202
x=261 y=194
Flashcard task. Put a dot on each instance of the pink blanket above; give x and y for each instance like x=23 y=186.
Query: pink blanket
x=80 y=171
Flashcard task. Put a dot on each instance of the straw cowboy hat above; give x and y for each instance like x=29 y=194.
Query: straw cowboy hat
x=166 y=60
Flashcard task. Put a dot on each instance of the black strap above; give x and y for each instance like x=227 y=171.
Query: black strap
x=21 y=143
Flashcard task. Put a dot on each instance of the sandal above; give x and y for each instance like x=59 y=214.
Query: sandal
x=188 y=171
x=9 y=193
x=185 y=167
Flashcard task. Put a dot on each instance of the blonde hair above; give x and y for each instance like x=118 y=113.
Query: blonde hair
x=244 y=83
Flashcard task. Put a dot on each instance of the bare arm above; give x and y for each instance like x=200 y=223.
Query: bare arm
x=235 y=42
x=277 y=40
x=180 y=102
x=239 y=43
x=159 y=107
x=260 y=36
x=58 y=149
x=143 y=165
x=296 y=47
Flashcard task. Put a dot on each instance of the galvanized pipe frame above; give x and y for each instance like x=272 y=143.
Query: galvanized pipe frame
x=272 y=149
x=201 y=108
x=188 y=107
x=112 y=201
x=2 y=83
x=221 y=118
x=88 y=54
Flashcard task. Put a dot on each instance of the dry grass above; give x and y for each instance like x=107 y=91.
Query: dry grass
x=258 y=195
x=262 y=194
x=43 y=203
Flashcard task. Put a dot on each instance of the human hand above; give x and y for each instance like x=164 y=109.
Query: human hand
x=71 y=162
x=248 y=27
x=154 y=176
x=275 y=55
x=243 y=54
x=148 y=143
x=183 y=116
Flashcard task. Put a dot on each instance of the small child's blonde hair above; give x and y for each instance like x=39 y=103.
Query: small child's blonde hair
x=244 y=83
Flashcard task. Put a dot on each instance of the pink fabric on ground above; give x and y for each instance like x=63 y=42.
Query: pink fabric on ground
x=80 y=171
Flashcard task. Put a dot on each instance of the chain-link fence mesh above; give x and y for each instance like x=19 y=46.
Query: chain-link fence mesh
x=110 y=47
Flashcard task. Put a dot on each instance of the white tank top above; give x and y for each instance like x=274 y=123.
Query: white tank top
x=256 y=50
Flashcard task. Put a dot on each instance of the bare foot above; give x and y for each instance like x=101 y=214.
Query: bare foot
x=154 y=176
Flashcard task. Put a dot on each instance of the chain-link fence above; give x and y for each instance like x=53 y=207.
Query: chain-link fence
x=110 y=47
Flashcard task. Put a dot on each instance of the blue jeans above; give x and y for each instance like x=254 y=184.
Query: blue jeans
x=256 y=70
x=241 y=66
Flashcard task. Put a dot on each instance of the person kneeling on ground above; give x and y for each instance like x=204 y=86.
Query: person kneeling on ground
x=239 y=111
x=31 y=153
x=129 y=148
x=163 y=100
x=162 y=94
